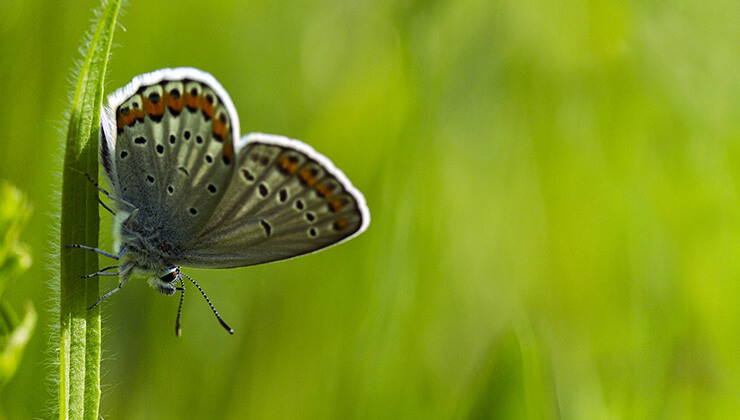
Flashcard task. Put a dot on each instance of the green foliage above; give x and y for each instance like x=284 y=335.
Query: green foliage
x=15 y=259
x=14 y=213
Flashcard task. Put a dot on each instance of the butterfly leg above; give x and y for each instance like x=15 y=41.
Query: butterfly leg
x=126 y=273
x=109 y=195
x=102 y=272
x=106 y=207
x=101 y=252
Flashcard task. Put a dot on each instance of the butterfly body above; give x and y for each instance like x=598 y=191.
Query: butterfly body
x=146 y=251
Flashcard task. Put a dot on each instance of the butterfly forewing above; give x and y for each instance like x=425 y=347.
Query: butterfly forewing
x=284 y=200
x=172 y=150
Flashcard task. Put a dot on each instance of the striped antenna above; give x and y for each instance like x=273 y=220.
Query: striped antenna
x=223 y=324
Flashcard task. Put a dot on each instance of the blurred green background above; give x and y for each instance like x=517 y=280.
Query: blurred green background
x=554 y=196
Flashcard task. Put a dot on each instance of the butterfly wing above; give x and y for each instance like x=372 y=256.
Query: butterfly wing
x=284 y=200
x=167 y=146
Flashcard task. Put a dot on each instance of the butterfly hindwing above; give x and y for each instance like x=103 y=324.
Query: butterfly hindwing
x=284 y=200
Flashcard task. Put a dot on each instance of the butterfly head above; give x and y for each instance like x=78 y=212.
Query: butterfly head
x=166 y=282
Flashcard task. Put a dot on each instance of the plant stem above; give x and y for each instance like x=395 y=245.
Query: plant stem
x=79 y=346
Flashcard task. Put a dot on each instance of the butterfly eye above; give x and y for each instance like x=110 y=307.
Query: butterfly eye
x=171 y=275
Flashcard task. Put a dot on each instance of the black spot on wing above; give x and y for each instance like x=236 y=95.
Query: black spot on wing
x=266 y=226
x=263 y=191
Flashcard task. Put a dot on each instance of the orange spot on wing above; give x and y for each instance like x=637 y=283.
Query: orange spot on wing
x=153 y=109
x=220 y=129
x=324 y=190
x=125 y=117
x=172 y=103
x=138 y=114
x=207 y=107
x=191 y=101
x=306 y=177
x=341 y=224
x=121 y=120
x=288 y=165
x=228 y=151
x=336 y=205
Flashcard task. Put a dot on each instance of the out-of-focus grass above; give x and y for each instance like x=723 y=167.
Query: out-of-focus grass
x=16 y=328
x=553 y=189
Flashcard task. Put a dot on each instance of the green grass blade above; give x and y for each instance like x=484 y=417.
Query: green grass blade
x=79 y=347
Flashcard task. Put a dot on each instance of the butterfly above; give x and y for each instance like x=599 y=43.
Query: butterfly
x=188 y=191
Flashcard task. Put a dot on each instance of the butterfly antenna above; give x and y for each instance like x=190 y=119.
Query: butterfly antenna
x=223 y=324
x=178 y=330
